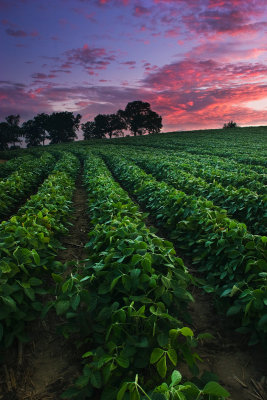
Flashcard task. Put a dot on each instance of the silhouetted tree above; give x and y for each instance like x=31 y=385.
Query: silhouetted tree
x=116 y=124
x=90 y=131
x=10 y=131
x=4 y=135
x=35 y=130
x=62 y=126
x=230 y=125
x=111 y=124
x=140 y=118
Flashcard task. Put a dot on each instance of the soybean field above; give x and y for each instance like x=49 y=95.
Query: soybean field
x=135 y=268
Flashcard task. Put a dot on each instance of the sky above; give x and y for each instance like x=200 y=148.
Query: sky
x=199 y=63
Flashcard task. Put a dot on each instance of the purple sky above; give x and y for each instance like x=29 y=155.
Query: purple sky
x=199 y=63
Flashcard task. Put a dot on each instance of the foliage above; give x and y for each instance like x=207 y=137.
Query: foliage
x=228 y=255
x=241 y=203
x=20 y=183
x=62 y=126
x=9 y=131
x=89 y=131
x=127 y=300
x=230 y=125
x=27 y=251
x=141 y=118
x=35 y=130
x=111 y=124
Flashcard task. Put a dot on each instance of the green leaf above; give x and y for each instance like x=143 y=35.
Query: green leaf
x=155 y=355
x=75 y=301
x=22 y=255
x=161 y=388
x=176 y=378
x=233 y=310
x=57 y=278
x=9 y=302
x=134 y=395
x=36 y=257
x=67 y=286
x=87 y=354
x=135 y=273
x=185 y=331
x=122 y=391
x=35 y=281
x=114 y=282
x=123 y=362
x=30 y=293
x=136 y=258
x=62 y=306
x=172 y=356
x=95 y=379
x=162 y=367
x=215 y=389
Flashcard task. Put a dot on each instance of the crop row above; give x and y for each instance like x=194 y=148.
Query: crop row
x=213 y=169
x=28 y=242
x=212 y=147
x=12 y=165
x=125 y=303
x=23 y=181
x=234 y=261
x=241 y=204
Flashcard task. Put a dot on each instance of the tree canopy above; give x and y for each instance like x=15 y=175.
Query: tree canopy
x=35 y=130
x=9 y=131
x=140 y=118
x=62 y=126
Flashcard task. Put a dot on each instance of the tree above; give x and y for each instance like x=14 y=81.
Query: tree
x=111 y=124
x=230 y=125
x=90 y=131
x=4 y=135
x=62 y=126
x=140 y=118
x=10 y=131
x=35 y=130
x=116 y=124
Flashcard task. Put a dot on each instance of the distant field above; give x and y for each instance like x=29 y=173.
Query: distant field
x=167 y=215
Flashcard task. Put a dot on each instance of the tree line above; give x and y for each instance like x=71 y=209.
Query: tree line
x=59 y=127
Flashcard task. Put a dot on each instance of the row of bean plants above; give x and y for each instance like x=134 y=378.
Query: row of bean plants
x=12 y=165
x=220 y=150
x=126 y=303
x=212 y=168
x=233 y=260
x=214 y=147
x=23 y=181
x=228 y=173
x=28 y=243
x=241 y=204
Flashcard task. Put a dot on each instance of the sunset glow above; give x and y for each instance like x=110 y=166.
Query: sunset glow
x=199 y=63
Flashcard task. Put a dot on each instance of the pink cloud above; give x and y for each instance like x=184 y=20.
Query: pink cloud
x=140 y=11
x=90 y=58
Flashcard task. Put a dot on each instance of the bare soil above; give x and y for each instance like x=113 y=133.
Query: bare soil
x=3 y=161
x=242 y=370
